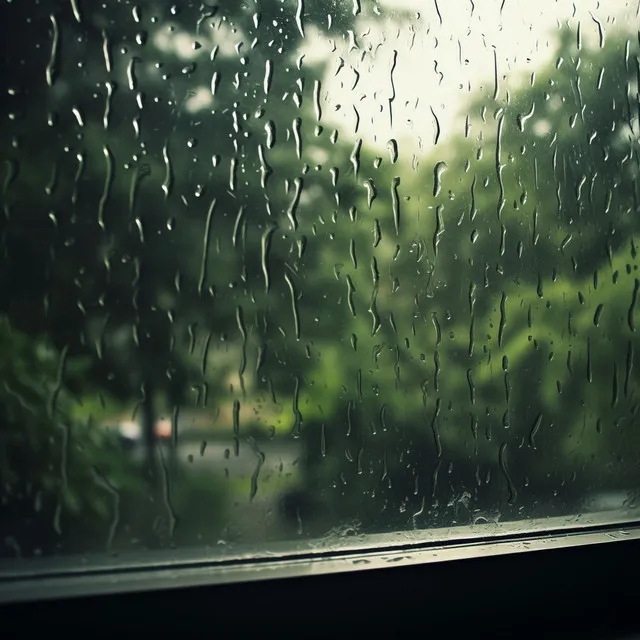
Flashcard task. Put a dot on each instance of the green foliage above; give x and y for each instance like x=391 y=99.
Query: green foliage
x=467 y=337
x=62 y=472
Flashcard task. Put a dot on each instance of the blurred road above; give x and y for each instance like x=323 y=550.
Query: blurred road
x=217 y=456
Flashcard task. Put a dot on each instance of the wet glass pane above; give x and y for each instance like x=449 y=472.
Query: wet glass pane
x=280 y=272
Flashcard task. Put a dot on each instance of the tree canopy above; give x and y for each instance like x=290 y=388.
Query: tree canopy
x=185 y=226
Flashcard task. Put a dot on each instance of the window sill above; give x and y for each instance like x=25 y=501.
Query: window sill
x=68 y=577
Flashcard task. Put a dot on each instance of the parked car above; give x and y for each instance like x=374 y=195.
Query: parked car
x=130 y=432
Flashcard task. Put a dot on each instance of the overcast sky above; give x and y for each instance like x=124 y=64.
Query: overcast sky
x=440 y=59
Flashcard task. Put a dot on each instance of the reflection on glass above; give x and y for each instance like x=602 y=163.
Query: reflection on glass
x=284 y=270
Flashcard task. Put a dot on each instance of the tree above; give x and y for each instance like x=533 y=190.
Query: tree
x=200 y=237
x=165 y=252
x=508 y=321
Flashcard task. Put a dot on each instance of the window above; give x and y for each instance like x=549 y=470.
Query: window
x=294 y=277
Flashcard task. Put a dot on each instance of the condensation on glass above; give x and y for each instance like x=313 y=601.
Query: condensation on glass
x=297 y=270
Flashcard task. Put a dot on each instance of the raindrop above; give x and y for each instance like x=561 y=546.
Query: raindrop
x=392 y=146
x=438 y=170
x=53 y=56
x=299 y=14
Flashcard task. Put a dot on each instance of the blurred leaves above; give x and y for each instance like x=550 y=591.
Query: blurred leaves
x=433 y=329
x=48 y=460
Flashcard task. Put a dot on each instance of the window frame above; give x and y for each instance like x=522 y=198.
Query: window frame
x=581 y=584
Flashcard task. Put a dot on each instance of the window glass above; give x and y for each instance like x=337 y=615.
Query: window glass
x=284 y=270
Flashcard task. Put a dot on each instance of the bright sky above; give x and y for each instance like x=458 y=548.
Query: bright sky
x=442 y=53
